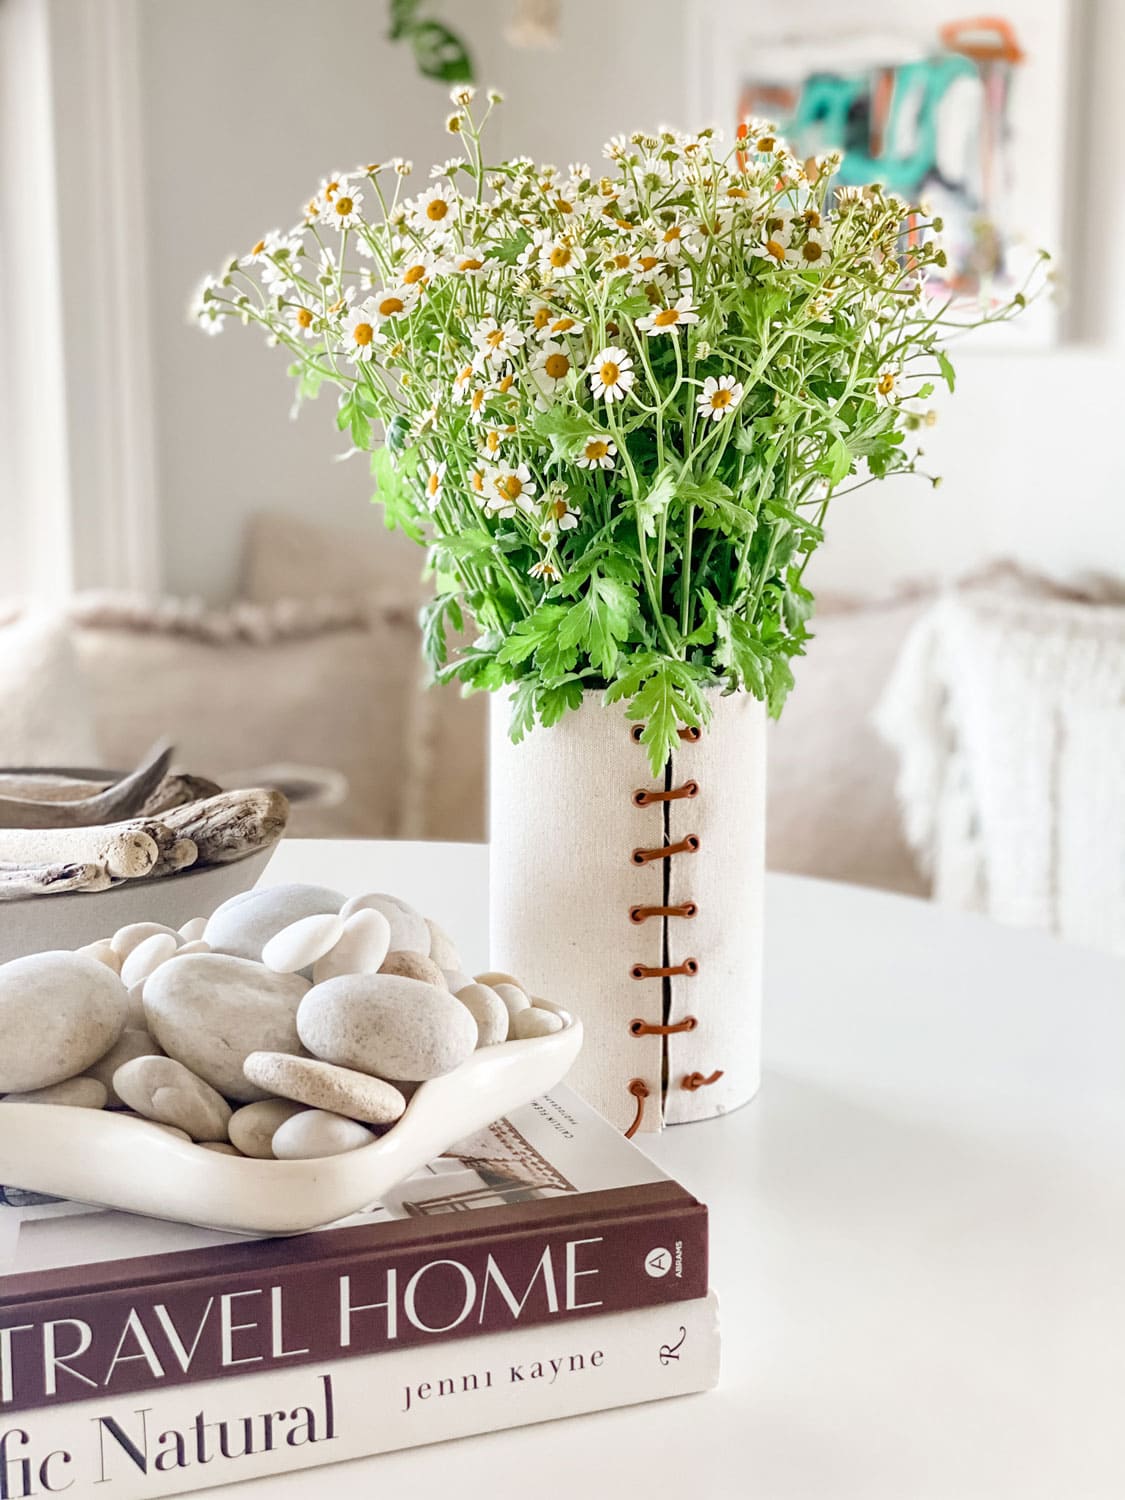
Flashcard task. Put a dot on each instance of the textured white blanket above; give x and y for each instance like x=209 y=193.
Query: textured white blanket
x=1008 y=716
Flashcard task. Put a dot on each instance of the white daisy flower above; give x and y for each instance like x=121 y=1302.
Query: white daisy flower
x=541 y=317
x=477 y=478
x=560 y=326
x=342 y=209
x=886 y=386
x=497 y=341
x=718 y=397
x=777 y=235
x=668 y=319
x=391 y=302
x=597 y=453
x=558 y=255
x=813 y=251
x=546 y=569
x=302 y=320
x=611 y=374
x=548 y=370
x=469 y=261
x=361 y=332
x=434 y=481
x=448 y=168
x=477 y=398
x=462 y=382
x=493 y=438
x=559 y=515
x=435 y=209
x=417 y=271
x=509 y=489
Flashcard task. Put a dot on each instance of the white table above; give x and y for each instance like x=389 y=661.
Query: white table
x=918 y=1226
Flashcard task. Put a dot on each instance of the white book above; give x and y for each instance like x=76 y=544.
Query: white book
x=169 y=1441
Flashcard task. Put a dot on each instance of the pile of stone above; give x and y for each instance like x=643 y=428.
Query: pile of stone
x=290 y=1024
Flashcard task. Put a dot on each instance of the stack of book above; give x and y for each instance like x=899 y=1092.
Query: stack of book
x=540 y=1269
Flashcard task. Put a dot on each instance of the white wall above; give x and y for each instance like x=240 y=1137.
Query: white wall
x=249 y=102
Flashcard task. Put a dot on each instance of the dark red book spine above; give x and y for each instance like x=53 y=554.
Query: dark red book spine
x=133 y=1325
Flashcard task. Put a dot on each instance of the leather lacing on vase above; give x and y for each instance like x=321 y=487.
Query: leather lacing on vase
x=684 y=910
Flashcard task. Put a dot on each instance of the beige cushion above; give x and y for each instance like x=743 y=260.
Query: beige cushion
x=333 y=697
x=287 y=558
x=831 y=785
x=45 y=713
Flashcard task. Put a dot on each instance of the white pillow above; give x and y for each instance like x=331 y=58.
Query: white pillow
x=45 y=711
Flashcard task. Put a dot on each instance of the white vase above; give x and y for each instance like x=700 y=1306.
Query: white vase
x=580 y=848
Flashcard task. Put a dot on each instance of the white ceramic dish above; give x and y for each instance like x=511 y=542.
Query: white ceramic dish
x=120 y=1162
x=38 y=923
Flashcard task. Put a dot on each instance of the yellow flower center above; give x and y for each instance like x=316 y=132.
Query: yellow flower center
x=344 y=205
x=811 y=251
x=737 y=192
x=649 y=262
x=494 y=338
x=470 y=263
x=556 y=365
x=476 y=400
x=563 y=325
x=492 y=442
x=886 y=383
x=505 y=385
x=563 y=206
x=436 y=210
x=363 y=333
x=610 y=373
x=509 y=486
x=330 y=189
x=561 y=255
x=389 y=306
x=766 y=143
x=622 y=261
x=721 y=400
x=596 y=450
x=812 y=218
x=542 y=317
x=414 y=275
x=433 y=484
x=304 y=317
x=671 y=235
x=776 y=250
x=258 y=248
x=667 y=318
x=465 y=375
x=476 y=479
x=557 y=509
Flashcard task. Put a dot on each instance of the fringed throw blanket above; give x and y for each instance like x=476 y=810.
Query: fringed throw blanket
x=1008 y=716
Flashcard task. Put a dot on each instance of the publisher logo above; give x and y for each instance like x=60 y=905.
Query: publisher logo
x=658 y=1262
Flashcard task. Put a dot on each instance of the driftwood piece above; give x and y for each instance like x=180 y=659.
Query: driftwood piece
x=126 y=850
x=176 y=790
x=121 y=800
x=18 y=881
x=231 y=825
x=180 y=854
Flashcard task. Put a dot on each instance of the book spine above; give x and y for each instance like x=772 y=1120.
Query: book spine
x=222 y=1431
x=373 y=1298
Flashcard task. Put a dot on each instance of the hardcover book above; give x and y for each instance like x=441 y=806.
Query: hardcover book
x=548 y=1217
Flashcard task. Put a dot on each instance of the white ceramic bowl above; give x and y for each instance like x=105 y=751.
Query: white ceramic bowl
x=121 y=1162
x=38 y=923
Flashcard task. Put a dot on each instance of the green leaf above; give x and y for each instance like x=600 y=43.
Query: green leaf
x=945 y=364
x=523 y=710
x=837 y=462
x=434 y=616
x=556 y=700
x=599 y=621
x=531 y=634
x=653 y=504
x=664 y=705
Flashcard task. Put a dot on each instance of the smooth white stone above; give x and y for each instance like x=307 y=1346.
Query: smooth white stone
x=413 y=966
x=443 y=950
x=76 y=1093
x=147 y=957
x=210 y=1011
x=495 y=977
x=302 y=943
x=125 y=939
x=104 y=952
x=513 y=997
x=135 y=1018
x=253 y=1127
x=532 y=1022
x=315 y=1132
x=59 y=1012
x=133 y=1042
x=388 y=1026
x=321 y=1085
x=364 y=944
x=488 y=1011
x=192 y=931
x=244 y=925
x=455 y=980
x=552 y=1005
x=408 y=928
x=197 y=945
x=164 y=1090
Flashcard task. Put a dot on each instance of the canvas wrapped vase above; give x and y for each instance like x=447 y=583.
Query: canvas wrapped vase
x=638 y=901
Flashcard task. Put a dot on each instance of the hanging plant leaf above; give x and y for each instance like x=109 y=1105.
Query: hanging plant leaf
x=439 y=52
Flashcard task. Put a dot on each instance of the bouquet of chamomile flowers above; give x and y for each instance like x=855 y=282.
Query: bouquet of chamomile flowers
x=614 y=406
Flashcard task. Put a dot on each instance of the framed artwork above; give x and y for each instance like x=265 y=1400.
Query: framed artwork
x=966 y=112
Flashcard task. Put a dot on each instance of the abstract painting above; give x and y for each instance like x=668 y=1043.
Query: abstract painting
x=963 y=112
